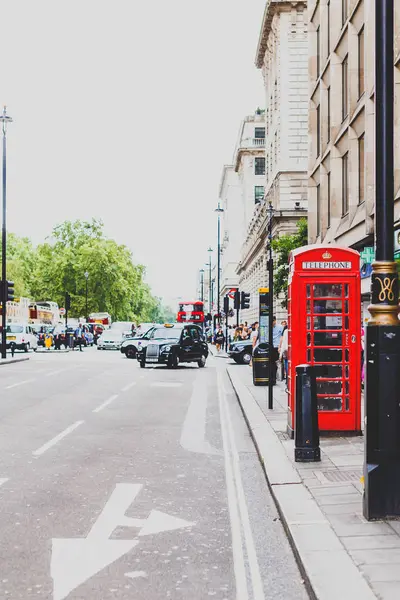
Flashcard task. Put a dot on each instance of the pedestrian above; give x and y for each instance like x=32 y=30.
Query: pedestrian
x=283 y=354
x=219 y=339
x=277 y=332
x=79 y=336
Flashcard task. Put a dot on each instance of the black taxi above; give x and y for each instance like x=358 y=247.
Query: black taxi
x=174 y=343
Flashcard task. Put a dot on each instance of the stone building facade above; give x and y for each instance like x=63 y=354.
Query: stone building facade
x=282 y=57
x=341 y=124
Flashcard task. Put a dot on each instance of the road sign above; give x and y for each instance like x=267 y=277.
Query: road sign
x=61 y=311
x=75 y=560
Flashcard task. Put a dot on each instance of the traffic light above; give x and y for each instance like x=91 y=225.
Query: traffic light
x=226 y=305
x=10 y=291
x=67 y=301
x=236 y=300
x=244 y=300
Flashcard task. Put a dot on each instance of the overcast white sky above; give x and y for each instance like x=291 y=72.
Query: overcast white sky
x=127 y=110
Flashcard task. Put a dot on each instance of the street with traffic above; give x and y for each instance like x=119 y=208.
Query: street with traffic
x=122 y=482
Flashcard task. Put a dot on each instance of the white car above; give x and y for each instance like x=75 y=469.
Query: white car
x=21 y=336
x=110 y=340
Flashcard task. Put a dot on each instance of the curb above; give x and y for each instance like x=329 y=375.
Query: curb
x=13 y=360
x=327 y=568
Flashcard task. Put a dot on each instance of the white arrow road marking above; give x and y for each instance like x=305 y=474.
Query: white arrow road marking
x=158 y=521
x=194 y=426
x=75 y=560
x=56 y=439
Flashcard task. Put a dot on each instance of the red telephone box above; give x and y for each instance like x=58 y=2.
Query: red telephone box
x=324 y=320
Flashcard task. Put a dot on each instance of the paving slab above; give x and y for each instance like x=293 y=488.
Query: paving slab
x=371 y=542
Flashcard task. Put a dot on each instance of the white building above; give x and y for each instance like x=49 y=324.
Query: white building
x=232 y=224
x=282 y=56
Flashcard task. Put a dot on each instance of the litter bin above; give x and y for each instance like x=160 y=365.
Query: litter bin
x=306 y=424
x=260 y=363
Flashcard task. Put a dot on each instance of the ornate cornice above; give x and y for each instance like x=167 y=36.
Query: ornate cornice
x=271 y=8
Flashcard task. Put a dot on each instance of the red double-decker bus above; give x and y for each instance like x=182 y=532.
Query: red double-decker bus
x=191 y=312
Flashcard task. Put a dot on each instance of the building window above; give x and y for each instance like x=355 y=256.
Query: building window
x=361 y=58
x=259 y=165
x=361 y=169
x=318 y=51
x=318 y=130
x=318 y=210
x=328 y=193
x=328 y=18
x=345 y=10
x=328 y=120
x=259 y=133
x=345 y=87
x=258 y=193
x=345 y=184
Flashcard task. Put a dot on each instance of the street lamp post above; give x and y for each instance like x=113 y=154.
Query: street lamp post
x=202 y=285
x=219 y=210
x=87 y=277
x=209 y=282
x=382 y=448
x=5 y=119
x=270 y=264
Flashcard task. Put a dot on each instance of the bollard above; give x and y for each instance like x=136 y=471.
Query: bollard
x=12 y=347
x=306 y=424
x=260 y=363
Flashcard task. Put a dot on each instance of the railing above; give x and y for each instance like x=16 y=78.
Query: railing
x=258 y=141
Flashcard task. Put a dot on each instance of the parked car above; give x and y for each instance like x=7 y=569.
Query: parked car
x=111 y=339
x=131 y=345
x=241 y=351
x=172 y=344
x=22 y=336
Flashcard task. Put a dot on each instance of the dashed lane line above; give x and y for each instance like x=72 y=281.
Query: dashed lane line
x=128 y=387
x=57 y=439
x=9 y=387
x=106 y=403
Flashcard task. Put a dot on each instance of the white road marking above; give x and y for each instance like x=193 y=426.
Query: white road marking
x=237 y=547
x=3 y=480
x=134 y=574
x=257 y=585
x=59 y=371
x=128 y=387
x=9 y=387
x=75 y=560
x=57 y=439
x=194 y=426
x=106 y=403
x=167 y=384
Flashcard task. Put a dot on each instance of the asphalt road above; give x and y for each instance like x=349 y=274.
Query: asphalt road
x=120 y=483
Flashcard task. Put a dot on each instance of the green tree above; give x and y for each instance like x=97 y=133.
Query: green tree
x=282 y=247
x=115 y=283
x=20 y=263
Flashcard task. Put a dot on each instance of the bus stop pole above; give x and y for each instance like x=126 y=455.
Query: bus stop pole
x=271 y=310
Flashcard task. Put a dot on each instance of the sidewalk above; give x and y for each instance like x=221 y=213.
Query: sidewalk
x=343 y=556
x=9 y=360
x=213 y=352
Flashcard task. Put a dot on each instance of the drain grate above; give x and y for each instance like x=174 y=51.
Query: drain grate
x=336 y=476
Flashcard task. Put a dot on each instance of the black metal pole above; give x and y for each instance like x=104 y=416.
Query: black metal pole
x=382 y=446
x=271 y=310
x=210 y=291
x=4 y=252
x=87 y=314
x=219 y=268
x=202 y=285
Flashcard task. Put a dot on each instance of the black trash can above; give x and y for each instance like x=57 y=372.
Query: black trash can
x=306 y=425
x=260 y=363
